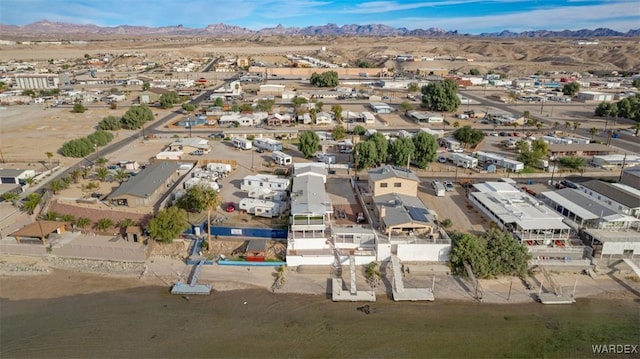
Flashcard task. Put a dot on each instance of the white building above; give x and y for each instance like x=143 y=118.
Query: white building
x=498 y=160
x=36 y=81
x=615 y=161
x=530 y=220
x=462 y=160
x=594 y=96
x=261 y=207
x=380 y=107
x=617 y=196
x=276 y=183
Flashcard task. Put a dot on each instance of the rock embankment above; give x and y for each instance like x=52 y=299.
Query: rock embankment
x=26 y=265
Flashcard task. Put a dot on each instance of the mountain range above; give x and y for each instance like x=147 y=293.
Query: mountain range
x=52 y=29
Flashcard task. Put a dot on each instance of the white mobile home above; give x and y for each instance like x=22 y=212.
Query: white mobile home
x=253 y=182
x=462 y=160
x=281 y=158
x=219 y=168
x=261 y=207
x=450 y=143
x=499 y=160
x=267 y=144
x=242 y=143
x=192 y=182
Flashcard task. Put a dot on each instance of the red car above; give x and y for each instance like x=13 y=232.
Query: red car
x=230 y=207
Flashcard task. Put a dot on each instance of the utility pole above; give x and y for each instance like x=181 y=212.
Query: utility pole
x=624 y=160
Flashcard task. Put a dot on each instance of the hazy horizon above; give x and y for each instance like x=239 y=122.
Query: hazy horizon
x=465 y=16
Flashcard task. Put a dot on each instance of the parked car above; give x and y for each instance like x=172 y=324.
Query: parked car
x=448 y=185
x=458 y=150
x=230 y=207
x=259 y=150
x=495 y=134
x=434 y=183
x=503 y=134
x=197 y=153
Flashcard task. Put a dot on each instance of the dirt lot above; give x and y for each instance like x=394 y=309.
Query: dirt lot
x=455 y=206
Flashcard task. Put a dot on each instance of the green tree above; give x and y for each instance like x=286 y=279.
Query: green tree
x=567 y=126
x=50 y=216
x=505 y=255
x=441 y=96
x=309 y=142
x=456 y=124
x=573 y=162
x=402 y=151
x=636 y=83
x=78 y=108
x=539 y=125
x=109 y=123
x=146 y=86
x=30 y=93
x=167 y=100
x=531 y=154
x=168 y=224
x=319 y=105
x=636 y=128
x=382 y=147
x=359 y=130
x=76 y=148
x=413 y=87
x=593 y=131
x=31 y=202
x=337 y=112
x=467 y=248
x=127 y=222
x=366 y=154
x=100 y=138
x=468 y=136
x=571 y=89
x=265 y=105
x=575 y=126
x=426 y=149
x=606 y=109
x=135 y=117
x=446 y=223
x=339 y=133
x=474 y=72
x=189 y=107
x=219 y=102
x=406 y=106
x=103 y=224
x=325 y=79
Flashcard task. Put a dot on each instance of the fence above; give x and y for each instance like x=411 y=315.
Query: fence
x=249 y=232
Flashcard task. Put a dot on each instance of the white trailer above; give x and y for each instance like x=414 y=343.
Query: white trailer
x=261 y=208
x=241 y=143
x=281 y=158
x=192 y=182
x=462 y=160
x=498 y=160
x=222 y=169
x=267 y=144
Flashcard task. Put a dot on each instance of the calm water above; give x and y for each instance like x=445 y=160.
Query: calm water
x=150 y=323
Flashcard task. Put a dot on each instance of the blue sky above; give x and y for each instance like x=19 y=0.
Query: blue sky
x=466 y=16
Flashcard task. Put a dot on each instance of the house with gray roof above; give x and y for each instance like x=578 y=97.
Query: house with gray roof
x=147 y=187
x=393 y=179
x=403 y=214
x=617 y=196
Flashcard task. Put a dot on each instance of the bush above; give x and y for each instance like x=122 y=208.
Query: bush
x=78 y=108
x=325 y=79
x=109 y=123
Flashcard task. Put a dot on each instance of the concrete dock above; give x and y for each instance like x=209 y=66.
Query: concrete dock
x=340 y=294
x=400 y=293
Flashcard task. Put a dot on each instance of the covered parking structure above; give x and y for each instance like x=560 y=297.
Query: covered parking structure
x=39 y=230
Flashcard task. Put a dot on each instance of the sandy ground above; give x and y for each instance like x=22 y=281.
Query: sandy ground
x=48 y=280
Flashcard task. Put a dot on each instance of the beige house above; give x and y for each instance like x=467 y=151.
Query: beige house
x=392 y=179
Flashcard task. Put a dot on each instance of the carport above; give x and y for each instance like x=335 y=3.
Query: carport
x=39 y=230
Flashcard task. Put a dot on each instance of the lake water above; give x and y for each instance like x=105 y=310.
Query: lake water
x=150 y=323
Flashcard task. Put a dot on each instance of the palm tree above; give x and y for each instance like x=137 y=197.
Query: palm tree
x=29 y=181
x=210 y=200
x=68 y=218
x=84 y=172
x=102 y=173
x=103 y=224
x=31 y=203
x=121 y=176
x=83 y=222
x=575 y=125
x=50 y=216
x=556 y=126
x=127 y=222
x=56 y=186
x=75 y=175
x=101 y=161
x=567 y=125
x=593 y=132
x=49 y=156
x=337 y=111
x=11 y=197
x=319 y=106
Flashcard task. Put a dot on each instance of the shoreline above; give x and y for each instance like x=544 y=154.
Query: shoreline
x=54 y=277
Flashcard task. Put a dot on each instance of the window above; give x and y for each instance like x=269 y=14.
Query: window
x=384 y=185
x=397 y=184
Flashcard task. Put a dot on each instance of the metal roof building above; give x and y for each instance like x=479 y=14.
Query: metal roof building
x=402 y=214
x=529 y=219
x=145 y=188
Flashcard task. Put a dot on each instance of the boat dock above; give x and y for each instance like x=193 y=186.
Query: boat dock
x=339 y=294
x=192 y=287
x=400 y=293
x=557 y=297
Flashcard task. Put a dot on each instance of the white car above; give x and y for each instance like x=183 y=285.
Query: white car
x=495 y=134
x=458 y=150
x=448 y=186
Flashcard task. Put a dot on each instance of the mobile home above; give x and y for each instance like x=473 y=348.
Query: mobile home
x=242 y=143
x=267 y=144
x=498 y=160
x=462 y=160
x=281 y=158
x=261 y=208
x=221 y=169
